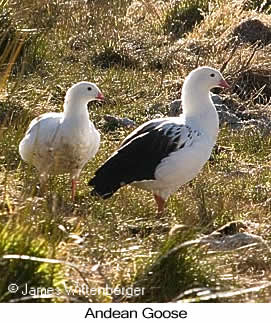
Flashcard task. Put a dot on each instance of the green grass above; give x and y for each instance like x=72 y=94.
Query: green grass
x=19 y=239
x=129 y=51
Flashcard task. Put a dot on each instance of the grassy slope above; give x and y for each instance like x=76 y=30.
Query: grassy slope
x=140 y=69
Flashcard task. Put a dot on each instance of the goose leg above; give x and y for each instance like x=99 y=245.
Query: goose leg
x=74 y=176
x=160 y=204
x=74 y=182
x=43 y=183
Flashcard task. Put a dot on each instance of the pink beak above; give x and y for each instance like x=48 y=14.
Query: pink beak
x=224 y=84
x=100 y=96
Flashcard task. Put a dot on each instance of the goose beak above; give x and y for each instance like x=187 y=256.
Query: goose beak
x=100 y=96
x=224 y=84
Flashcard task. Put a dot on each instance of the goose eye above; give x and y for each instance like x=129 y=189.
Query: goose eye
x=89 y=88
x=212 y=75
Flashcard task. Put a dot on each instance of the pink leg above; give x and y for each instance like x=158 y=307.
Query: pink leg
x=73 y=189
x=43 y=183
x=160 y=204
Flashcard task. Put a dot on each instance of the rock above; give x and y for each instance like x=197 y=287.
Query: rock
x=216 y=99
x=126 y=122
x=119 y=122
x=231 y=242
x=232 y=236
x=228 y=118
x=231 y=228
x=175 y=108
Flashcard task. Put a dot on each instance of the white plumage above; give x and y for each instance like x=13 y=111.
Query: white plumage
x=57 y=143
x=163 y=154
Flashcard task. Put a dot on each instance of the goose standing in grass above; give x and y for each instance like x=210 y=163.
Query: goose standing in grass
x=163 y=154
x=57 y=143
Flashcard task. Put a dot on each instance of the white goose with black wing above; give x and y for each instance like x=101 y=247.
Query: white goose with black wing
x=163 y=154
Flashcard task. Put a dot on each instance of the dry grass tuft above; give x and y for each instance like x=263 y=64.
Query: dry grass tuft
x=253 y=31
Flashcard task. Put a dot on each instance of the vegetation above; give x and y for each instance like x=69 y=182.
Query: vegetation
x=138 y=53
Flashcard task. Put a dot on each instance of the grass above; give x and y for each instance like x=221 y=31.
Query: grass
x=128 y=49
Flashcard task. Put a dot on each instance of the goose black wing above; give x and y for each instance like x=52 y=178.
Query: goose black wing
x=139 y=155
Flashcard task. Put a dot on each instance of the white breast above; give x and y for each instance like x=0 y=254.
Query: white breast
x=55 y=145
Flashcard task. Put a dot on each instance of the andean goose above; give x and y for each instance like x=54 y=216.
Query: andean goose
x=163 y=154
x=57 y=143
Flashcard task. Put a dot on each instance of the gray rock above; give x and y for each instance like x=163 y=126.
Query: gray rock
x=231 y=242
x=226 y=117
x=233 y=235
x=119 y=122
x=175 y=108
x=216 y=99
x=126 y=122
